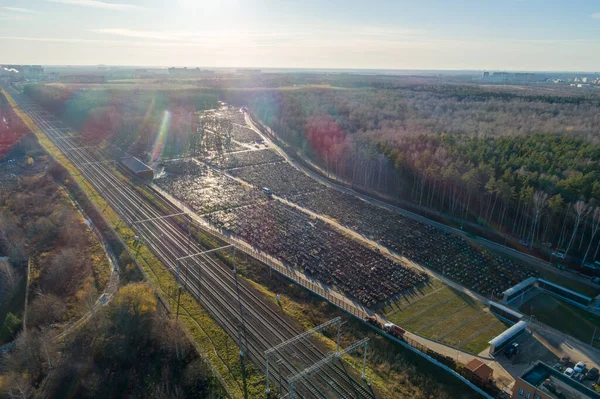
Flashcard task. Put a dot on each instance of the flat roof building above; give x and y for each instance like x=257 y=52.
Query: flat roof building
x=137 y=167
x=479 y=371
x=499 y=342
x=504 y=312
x=516 y=291
x=541 y=381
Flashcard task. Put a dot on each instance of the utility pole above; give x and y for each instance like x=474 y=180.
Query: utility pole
x=242 y=330
x=178 y=289
x=522 y=296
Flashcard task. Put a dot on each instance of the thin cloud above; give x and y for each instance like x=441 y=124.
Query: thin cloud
x=258 y=36
x=20 y=10
x=596 y=15
x=13 y=17
x=142 y=34
x=128 y=43
x=98 y=4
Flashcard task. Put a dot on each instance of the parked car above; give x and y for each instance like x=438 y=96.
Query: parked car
x=592 y=374
x=569 y=372
x=558 y=366
x=565 y=359
x=524 y=242
x=579 y=367
x=558 y=255
x=513 y=349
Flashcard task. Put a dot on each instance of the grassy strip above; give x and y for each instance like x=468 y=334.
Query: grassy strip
x=569 y=283
x=449 y=322
x=480 y=341
x=101 y=266
x=564 y=317
x=211 y=339
x=434 y=308
x=418 y=294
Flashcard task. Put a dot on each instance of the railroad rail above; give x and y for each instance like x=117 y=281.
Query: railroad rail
x=210 y=281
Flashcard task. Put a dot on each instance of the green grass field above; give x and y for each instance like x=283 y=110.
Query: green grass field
x=443 y=314
x=564 y=317
x=568 y=283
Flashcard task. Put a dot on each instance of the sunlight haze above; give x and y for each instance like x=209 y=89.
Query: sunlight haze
x=513 y=35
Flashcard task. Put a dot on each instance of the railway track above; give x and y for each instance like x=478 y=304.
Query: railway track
x=211 y=282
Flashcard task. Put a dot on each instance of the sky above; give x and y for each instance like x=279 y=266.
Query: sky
x=548 y=35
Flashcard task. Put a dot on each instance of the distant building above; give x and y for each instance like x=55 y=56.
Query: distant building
x=140 y=73
x=52 y=76
x=33 y=72
x=84 y=79
x=524 y=77
x=248 y=71
x=189 y=73
x=24 y=72
x=541 y=381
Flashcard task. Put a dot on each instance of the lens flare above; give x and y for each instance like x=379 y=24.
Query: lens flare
x=161 y=137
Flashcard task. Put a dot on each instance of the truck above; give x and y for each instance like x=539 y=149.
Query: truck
x=373 y=320
x=394 y=330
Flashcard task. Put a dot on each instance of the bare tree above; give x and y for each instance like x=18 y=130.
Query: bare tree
x=8 y=278
x=172 y=337
x=381 y=163
x=45 y=309
x=581 y=209
x=18 y=386
x=595 y=228
x=540 y=199
x=62 y=270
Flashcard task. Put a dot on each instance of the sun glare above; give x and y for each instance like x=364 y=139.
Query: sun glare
x=161 y=136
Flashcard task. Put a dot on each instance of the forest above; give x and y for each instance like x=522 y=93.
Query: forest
x=521 y=162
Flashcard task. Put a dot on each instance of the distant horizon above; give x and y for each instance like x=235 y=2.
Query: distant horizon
x=381 y=71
